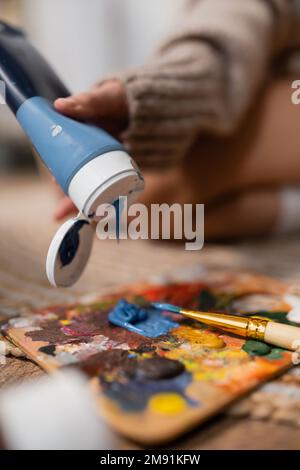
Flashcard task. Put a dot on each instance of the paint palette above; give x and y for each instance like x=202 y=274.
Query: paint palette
x=154 y=387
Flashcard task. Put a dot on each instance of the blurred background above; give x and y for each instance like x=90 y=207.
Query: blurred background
x=84 y=41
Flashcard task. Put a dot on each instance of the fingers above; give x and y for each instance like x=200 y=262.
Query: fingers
x=82 y=106
x=104 y=101
x=64 y=209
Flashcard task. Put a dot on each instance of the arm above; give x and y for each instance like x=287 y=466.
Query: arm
x=204 y=77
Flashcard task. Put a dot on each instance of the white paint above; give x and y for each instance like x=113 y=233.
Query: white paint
x=294 y=302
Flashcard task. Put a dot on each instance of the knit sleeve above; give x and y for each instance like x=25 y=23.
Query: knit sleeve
x=204 y=77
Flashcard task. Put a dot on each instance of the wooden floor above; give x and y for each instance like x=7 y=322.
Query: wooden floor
x=26 y=229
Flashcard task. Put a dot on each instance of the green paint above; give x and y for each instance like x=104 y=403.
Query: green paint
x=103 y=305
x=207 y=300
x=80 y=308
x=224 y=301
x=256 y=348
x=276 y=353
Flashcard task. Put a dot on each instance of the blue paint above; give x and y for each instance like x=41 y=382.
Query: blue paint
x=135 y=394
x=119 y=207
x=70 y=243
x=129 y=313
x=166 y=307
x=146 y=322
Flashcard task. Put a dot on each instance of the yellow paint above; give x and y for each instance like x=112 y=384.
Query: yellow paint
x=167 y=403
x=210 y=365
x=231 y=356
x=210 y=375
x=205 y=338
x=65 y=322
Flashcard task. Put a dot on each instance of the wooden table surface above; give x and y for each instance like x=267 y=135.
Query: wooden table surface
x=26 y=229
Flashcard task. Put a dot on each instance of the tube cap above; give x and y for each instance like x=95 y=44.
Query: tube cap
x=69 y=252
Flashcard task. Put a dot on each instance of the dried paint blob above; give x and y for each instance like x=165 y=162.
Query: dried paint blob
x=156 y=368
x=104 y=362
x=167 y=403
x=49 y=350
x=256 y=348
x=147 y=322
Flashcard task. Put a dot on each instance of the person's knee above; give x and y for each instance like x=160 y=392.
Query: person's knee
x=243 y=215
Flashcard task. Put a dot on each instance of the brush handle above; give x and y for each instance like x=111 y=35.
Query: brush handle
x=284 y=336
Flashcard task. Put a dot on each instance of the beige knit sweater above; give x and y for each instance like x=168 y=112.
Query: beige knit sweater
x=206 y=74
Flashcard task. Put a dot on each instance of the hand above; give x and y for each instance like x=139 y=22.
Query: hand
x=104 y=105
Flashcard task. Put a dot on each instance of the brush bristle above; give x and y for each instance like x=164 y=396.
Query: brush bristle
x=167 y=307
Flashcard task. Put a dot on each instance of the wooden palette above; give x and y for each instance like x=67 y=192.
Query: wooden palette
x=153 y=390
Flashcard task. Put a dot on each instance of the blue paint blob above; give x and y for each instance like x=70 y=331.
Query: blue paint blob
x=146 y=322
x=70 y=243
x=130 y=313
x=135 y=394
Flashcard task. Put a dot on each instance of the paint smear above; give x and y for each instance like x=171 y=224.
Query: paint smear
x=147 y=322
x=119 y=207
x=203 y=337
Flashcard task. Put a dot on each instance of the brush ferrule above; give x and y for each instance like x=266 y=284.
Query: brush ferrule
x=256 y=328
x=253 y=327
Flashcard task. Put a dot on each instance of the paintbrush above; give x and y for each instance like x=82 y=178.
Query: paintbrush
x=261 y=329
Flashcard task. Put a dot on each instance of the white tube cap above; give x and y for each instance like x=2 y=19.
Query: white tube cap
x=103 y=180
